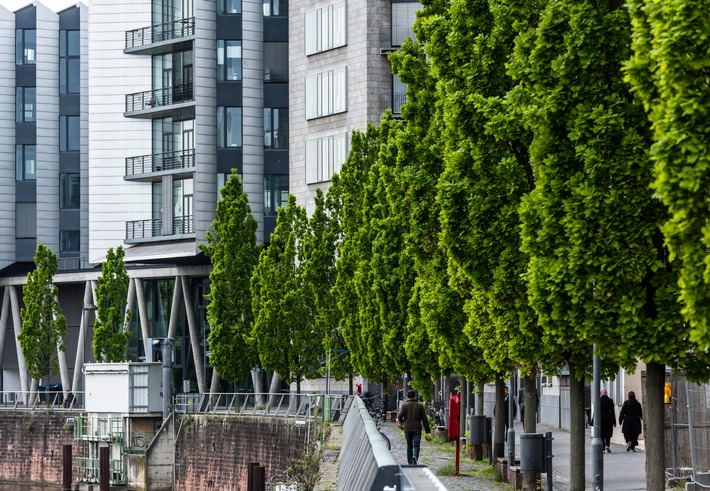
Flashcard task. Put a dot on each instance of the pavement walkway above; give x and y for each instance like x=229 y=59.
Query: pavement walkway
x=623 y=471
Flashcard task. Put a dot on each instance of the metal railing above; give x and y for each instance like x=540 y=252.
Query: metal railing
x=166 y=96
x=180 y=159
x=183 y=225
x=160 y=32
x=144 y=229
x=51 y=399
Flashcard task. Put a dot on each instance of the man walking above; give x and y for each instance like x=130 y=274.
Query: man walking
x=410 y=418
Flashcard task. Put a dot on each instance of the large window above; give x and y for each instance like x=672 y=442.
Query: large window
x=275 y=62
x=69 y=241
x=25 y=47
x=275 y=193
x=25 y=104
x=399 y=94
x=275 y=7
x=403 y=17
x=326 y=93
x=69 y=132
x=69 y=191
x=229 y=60
x=325 y=28
x=229 y=6
x=25 y=162
x=69 y=62
x=275 y=127
x=325 y=156
x=229 y=127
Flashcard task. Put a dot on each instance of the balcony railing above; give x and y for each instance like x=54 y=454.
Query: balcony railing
x=158 y=98
x=180 y=159
x=399 y=98
x=160 y=32
x=152 y=228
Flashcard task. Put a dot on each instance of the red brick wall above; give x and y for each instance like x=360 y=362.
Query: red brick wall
x=212 y=453
x=32 y=443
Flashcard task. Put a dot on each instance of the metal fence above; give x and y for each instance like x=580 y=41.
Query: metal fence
x=33 y=399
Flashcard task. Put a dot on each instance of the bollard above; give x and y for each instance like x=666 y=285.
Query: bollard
x=66 y=467
x=489 y=439
x=250 y=475
x=548 y=454
x=104 y=468
x=260 y=478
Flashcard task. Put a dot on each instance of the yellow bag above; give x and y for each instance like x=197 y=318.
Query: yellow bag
x=428 y=437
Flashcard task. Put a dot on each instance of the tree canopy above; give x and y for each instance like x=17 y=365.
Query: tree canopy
x=110 y=337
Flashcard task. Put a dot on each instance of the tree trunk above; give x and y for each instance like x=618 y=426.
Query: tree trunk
x=577 y=432
x=654 y=432
x=530 y=425
x=499 y=426
x=480 y=399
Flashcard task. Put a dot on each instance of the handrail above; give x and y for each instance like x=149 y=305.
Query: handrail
x=178 y=159
x=160 y=32
x=166 y=96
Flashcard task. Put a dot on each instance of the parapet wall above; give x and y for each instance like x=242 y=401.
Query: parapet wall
x=32 y=444
x=213 y=452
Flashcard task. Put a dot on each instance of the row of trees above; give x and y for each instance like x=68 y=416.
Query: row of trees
x=547 y=194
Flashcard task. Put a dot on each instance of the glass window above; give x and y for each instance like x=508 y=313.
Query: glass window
x=68 y=241
x=229 y=60
x=69 y=133
x=25 y=104
x=69 y=62
x=25 y=162
x=325 y=28
x=157 y=200
x=399 y=94
x=275 y=62
x=229 y=127
x=403 y=17
x=326 y=93
x=25 y=47
x=69 y=191
x=275 y=127
x=325 y=157
x=275 y=193
x=229 y=6
x=275 y=7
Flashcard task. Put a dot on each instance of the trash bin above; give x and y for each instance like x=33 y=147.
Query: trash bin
x=477 y=429
x=532 y=452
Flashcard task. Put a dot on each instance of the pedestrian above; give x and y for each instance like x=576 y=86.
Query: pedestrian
x=410 y=418
x=630 y=418
x=506 y=410
x=608 y=423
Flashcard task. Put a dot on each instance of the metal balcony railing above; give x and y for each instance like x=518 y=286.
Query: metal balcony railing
x=160 y=32
x=159 y=97
x=151 y=228
x=183 y=225
x=180 y=159
x=397 y=101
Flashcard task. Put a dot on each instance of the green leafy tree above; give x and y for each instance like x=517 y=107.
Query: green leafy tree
x=43 y=324
x=234 y=253
x=110 y=337
x=284 y=329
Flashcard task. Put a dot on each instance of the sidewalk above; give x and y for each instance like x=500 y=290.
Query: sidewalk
x=623 y=471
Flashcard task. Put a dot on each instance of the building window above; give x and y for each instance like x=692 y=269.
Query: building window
x=403 y=17
x=229 y=6
x=25 y=162
x=274 y=8
x=69 y=62
x=325 y=156
x=222 y=179
x=229 y=60
x=275 y=62
x=25 y=47
x=325 y=28
x=399 y=94
x=326 y=93
x=69 y=132
x=275 y=127
x=26 y=220
x=25 y=104
x=275 y=193
x=229 y=127
x=68 y=241
x=69 y=191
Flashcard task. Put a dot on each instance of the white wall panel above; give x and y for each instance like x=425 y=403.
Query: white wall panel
x=7 y=137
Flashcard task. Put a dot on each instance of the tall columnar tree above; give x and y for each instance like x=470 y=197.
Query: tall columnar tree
x=110 y=337
x=284 y=329
x=234 y=253
x=43 y=324
x=668 y=69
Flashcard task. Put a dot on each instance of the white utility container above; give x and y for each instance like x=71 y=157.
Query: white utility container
x=124 y=387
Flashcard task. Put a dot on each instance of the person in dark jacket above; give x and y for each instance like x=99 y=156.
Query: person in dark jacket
x=608 y=423
x=630 y=418
x=412 y=416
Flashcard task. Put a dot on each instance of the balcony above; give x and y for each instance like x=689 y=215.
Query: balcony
x=152 y=229
x=153 y=167
x=158 y=103
x=160 y=38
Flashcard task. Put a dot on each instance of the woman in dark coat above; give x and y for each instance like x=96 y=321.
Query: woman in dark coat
x=630 y=421
x=606 y=406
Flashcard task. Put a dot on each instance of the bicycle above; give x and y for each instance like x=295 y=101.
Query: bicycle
x=379 y=416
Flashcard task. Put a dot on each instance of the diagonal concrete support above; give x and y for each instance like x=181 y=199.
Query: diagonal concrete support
x=194 y=335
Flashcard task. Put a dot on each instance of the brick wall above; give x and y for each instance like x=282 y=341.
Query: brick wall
x=32 y=443
x=212 y=453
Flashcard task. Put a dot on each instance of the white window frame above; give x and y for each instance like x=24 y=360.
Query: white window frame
x=325 y=157
x=327 y=93
x=326 y=28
